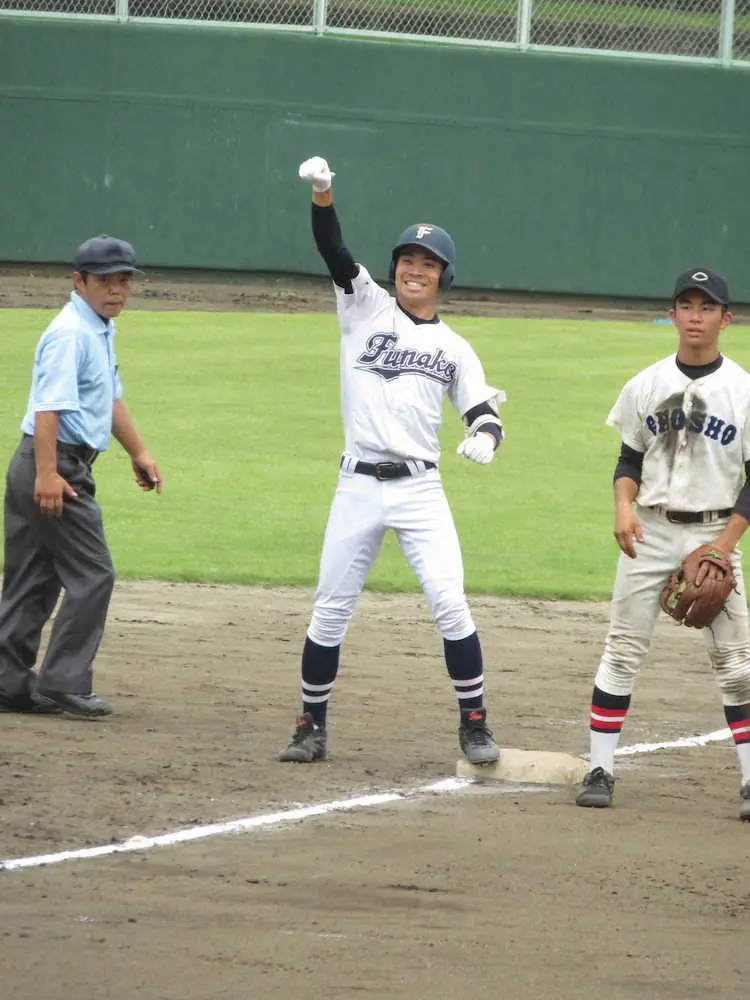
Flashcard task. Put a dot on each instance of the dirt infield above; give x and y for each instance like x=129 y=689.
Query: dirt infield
x=509 y=894
x=40 y=286
x=462 y=895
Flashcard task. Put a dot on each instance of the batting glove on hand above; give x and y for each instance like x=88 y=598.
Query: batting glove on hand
x=479 y=448
x=317 y=172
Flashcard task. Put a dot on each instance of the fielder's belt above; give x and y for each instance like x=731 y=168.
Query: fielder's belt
x=388 y=470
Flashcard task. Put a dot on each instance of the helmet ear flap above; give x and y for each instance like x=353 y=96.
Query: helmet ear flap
x=447 y=277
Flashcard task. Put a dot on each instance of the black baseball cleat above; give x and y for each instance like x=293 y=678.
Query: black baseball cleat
x=598 y=786
x=24 y=704
x=308 y=743
x=475 y=738
x=86 y=705
x=745 y=801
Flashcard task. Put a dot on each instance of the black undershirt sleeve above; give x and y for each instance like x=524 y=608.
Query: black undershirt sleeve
x=328 y=239
x=742 y=504
x=489 y=428
x=629 y=464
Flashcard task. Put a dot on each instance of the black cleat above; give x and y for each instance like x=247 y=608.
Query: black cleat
x=598 y=786
x=308 y=743
x=745 y=798
x=24 y=704
x=475 y=738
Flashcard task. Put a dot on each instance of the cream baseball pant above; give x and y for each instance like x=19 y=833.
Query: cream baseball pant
x=363 y=509
x=635 y=607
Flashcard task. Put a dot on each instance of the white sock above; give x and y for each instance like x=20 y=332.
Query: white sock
x=743 y=752
x=603 y=746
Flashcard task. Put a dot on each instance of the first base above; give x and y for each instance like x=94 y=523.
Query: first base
x=538 y=767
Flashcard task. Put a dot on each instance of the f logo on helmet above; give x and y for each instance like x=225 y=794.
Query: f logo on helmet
x=422 y=231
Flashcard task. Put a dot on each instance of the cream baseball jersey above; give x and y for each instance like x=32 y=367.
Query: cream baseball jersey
x=395 y=373
x=694 y=434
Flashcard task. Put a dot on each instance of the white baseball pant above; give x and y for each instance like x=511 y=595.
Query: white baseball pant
x=417 y=510
x=635 y=607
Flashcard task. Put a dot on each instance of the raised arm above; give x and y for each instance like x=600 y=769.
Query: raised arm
x=325 y=223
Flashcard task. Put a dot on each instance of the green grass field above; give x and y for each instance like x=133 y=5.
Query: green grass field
x=242 y=413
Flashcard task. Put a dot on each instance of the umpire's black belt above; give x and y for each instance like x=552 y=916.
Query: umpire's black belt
x=696 y=516
x=387 y=470
x=82 y=451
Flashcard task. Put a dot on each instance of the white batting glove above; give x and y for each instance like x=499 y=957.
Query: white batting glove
x=317 y=172
x=479 y=448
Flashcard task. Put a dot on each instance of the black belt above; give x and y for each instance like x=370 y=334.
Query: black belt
x=696 y=516
x=388 y=470
x=82 y=451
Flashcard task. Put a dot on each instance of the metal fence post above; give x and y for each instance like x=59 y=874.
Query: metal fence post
x=121 y=10
x=726 y=31
x=523 y=23
x=319 y=16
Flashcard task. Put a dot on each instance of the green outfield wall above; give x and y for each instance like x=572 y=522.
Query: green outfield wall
x=555 y=173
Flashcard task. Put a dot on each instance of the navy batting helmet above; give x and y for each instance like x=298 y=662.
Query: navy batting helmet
x=433 y=239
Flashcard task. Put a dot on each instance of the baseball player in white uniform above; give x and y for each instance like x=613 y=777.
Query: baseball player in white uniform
x=685 y=429
x=398 y=360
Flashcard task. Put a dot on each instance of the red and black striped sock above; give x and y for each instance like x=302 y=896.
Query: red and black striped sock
x=738 y=720
x=608 y=712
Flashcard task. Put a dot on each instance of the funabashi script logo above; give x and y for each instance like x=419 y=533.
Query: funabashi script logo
x=389 y=362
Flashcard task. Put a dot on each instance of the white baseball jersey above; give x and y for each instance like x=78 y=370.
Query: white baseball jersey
x=394 y=374
x=694 y=433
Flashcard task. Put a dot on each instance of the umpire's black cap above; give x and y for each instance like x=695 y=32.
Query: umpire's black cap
x=704 y=280
x=106 y=255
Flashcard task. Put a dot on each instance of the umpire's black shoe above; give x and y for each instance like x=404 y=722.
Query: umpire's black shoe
x=598 y=786
x=308 y=743
x=87 y=705
x=475 y=738
x=24 y=704
x=745 y=801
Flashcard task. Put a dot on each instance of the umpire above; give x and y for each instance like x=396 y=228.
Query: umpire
x=54 y=539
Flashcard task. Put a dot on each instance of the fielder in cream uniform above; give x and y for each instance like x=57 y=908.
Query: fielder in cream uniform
x=685 y=429
x=398 y=362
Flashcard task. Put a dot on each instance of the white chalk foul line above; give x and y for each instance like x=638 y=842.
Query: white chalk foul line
x=140 y=843
x=201 y=832
x=684 y=741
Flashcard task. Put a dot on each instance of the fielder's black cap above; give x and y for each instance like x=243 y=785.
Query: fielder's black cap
x=106 y=255
x=704 y=280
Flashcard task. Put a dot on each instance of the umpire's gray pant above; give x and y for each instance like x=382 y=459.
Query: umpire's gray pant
x=44 y=555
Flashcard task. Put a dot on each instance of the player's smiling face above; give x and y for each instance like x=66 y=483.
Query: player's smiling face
x=417 y=281
x=699 y=320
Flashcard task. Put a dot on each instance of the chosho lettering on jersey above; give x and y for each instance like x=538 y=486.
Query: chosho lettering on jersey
x=696 y=421
x=389 y=362
x=694 y=433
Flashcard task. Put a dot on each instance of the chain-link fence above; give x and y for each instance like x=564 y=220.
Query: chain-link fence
x=705 y=29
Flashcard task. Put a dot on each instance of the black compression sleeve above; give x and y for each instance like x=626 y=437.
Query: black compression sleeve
x=629 y=464
x=490 y=428
x=327 y=233
x=742 y=504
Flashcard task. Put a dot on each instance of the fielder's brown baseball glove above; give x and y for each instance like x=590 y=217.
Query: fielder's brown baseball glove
x=698 y=604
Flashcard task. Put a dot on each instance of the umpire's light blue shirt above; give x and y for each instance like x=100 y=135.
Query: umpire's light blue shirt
x=75 y=374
